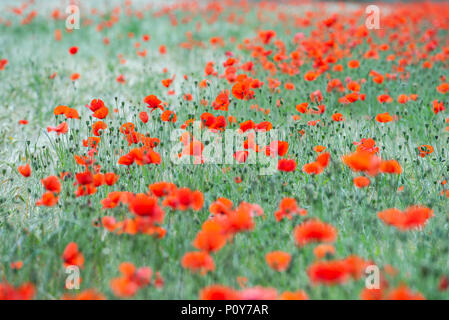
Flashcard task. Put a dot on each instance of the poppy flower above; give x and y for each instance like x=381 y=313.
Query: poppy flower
x=384 y=117
x=120 y=78
x=242 y=91
x=278 y=260
x=3 y=63
x=221 y=101
x=316 y=167
x=25 y=291
x=319 y=149
x=218 y=292
x=59 y=129
x=101 y=113
x=314 y=231
x=403 y=98
x=16 y=265
x=241 y=156
x=167 y=82
x=361 y=182
x=323 y=250
x=88 y=294
x=52 y=184
x=110 y=178
x=425 y=150
x=162 y=189
x=287 y=208
x=443 y=88
x=247 y=125
x=390 y=166
x=75 y=76
x=413 y=217
x=146 y=206
x=302 y=107
x=209 y=240
x=84 y=178
x=297 y=295
x=328 y=272
x=438 y=106
x=310 y=76
x=277 y=148
x=184 y=199
x=71 y=256
x=312 y=168
x=363 y=161
x=337 y=117
x=384 y=98
x=286 y=165
x=353 y=64
x=24 y=170
x=97 y=126
x=238 y=220
x=367 y=145
x=73 y=50
x=221 y=206
x=48 y=199
x=198 y=261
x=131 y=281
x=153 y=102
x=404 y=293
x=143 y=116
x=168 y=116
x=95 y=105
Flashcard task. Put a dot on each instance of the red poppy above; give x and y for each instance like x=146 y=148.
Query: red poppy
x=314 y=231
x=24 y=170
x=72 y=256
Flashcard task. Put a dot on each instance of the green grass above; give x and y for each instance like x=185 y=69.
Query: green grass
x=38 y=235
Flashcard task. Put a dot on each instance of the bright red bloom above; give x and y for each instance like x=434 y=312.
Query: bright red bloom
x=52 y=184
x=198 y=261
x=71 y=256
x=146 y=206
x=24 y=170
x=314 y=231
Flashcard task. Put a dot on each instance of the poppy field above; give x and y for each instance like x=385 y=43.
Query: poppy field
x=118 y=180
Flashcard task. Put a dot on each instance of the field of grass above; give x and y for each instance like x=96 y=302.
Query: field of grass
x=316 y=53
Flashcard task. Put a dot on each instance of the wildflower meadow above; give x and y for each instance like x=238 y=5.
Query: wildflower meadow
x=231 y=150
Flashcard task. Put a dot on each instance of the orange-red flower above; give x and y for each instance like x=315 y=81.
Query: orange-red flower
x=278 y=260
x=404 y=293
x=218 y=292
x=297 y=295
x=146 y=206
x=328 y=272
x=48 y=199
x=287 y=208
x=198 y=261
x=25 y=291
x=24 y=170
x=384 y=117
x=286 y=165
x=59 y=129
x=184 y=199
x=88 y=294
x=210 y=239
x=413 y=217
x=52 y=184
x=72 y=256
x=131 y=281
x=361 y=182
x=314 y=231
